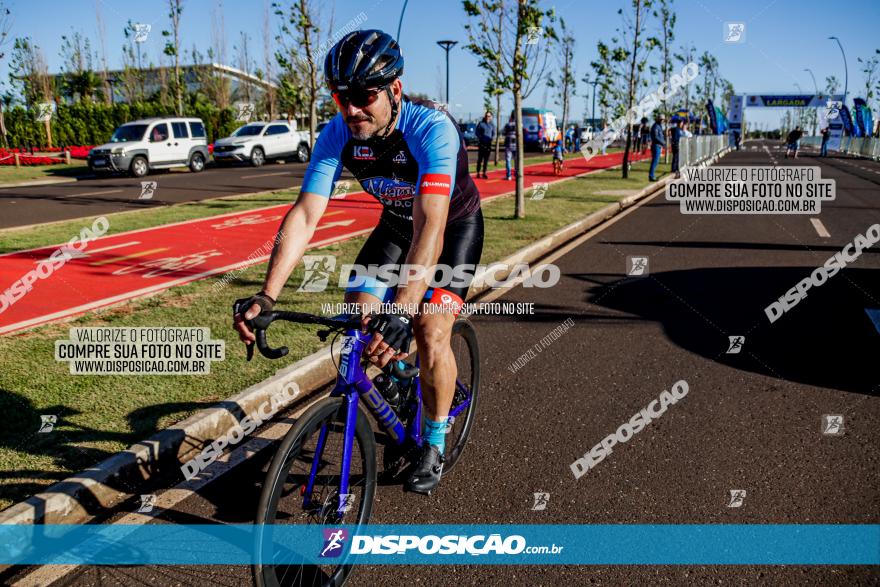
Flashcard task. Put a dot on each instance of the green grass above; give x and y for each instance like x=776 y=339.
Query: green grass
x=12 y=174
x=99 y=416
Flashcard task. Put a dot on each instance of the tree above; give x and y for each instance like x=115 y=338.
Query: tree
x=621 y=65
x=105 y=70
x=5 y=27
x=523 y=56
x=172 y=49
x=29 y=74
x=244 y=62
x=832 y=85
x=567 y=83
x=298 y=58
x=133 y=78
x=79 y=81
x=687 y=54
x=869 y=68
x=666 y=15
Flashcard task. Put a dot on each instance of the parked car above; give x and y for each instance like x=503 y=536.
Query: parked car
x=153 y=143
x=586 y=134
x=539 y=129
x=321 y=126
x=258 y=142
x=469 y=132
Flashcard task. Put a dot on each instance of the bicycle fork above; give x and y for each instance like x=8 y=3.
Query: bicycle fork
x=353 y=384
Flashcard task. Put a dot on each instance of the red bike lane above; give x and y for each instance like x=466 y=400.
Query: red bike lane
x=127 y=265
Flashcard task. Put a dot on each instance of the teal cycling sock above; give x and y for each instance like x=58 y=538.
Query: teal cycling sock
x=435 y=432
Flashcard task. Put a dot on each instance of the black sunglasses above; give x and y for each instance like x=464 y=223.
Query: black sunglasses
x=358 y=98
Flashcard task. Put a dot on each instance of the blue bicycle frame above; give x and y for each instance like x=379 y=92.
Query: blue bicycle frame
x=353 y=384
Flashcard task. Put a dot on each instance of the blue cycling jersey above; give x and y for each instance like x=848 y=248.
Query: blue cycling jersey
x=424 y=154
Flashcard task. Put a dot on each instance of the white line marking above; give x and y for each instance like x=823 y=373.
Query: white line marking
x=169 y=498
x=820 y=228
x=266 y=174
x=93 y=193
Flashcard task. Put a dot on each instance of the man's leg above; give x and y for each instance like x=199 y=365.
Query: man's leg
x=655 y=158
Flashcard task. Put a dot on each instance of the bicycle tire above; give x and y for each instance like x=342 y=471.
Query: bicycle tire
x=455 y=444
x=332 y=411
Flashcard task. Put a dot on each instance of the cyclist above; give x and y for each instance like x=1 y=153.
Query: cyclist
x=412 y=158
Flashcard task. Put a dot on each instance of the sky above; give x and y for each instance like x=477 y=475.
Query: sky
x=782 y=38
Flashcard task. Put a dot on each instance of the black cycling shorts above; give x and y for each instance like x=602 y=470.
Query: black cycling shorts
x=462 y=247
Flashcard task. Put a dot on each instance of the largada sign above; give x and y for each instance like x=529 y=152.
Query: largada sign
x=790 y=100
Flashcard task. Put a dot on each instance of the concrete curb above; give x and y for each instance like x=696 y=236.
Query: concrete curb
x=79 y=498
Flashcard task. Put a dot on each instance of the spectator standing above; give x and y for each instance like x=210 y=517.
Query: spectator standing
x=577 y=138
x=675 y=143
x=793 y=142
x=510 y=146
x=826 y=136
x=485 y=135
x=658 y=141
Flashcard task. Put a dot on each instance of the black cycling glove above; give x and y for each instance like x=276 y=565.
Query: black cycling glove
x=242 y=305
x=396 y=330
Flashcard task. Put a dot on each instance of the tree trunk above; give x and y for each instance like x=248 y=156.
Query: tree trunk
x=632 y=87
x=518 y=66
x=498 y=72
x=520 y=210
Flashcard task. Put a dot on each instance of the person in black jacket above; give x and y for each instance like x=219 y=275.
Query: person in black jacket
x=485 y=135
x=658 y=141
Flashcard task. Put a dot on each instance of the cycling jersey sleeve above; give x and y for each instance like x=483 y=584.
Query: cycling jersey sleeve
x=434 y=142
x=325 y=166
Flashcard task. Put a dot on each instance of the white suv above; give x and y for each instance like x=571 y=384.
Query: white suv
x=258 y=142
x=153 y=143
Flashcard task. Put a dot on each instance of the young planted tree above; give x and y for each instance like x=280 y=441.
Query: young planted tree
x=133 y=79
x=79 y=80
x=298 y=57
x=687 y=54
x=869 y=69
x=832 y=85
x=105 y=70
x=526 y=41
x=665 y=14
x=245 y=62
x=567 y=84
x=172 y=49
x=625 y=61
x=5 y=28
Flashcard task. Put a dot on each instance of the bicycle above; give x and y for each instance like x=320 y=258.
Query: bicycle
x=307 y=478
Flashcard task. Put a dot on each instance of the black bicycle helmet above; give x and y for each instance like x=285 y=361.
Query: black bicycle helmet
x=363 y=60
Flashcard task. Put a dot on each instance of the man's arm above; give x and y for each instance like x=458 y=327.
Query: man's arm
x=429 y=223
x=293 y=237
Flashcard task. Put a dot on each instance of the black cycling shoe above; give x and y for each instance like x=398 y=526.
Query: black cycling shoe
x=427 y=474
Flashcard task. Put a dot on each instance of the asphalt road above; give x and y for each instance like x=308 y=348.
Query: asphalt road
x=22 y=206
x=750 y=421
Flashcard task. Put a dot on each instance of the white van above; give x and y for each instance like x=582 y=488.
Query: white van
x=153 y=143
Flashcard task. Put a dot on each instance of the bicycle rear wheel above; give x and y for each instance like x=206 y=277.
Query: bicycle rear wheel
x=282 y=499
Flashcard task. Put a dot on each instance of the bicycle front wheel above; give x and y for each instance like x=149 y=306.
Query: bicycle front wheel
x=316 y=441
x=467 y=389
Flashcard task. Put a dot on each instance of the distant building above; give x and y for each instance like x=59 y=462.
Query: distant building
x=244 y=87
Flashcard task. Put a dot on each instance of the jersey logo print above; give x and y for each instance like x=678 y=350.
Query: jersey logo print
x=393 y=193
x=363 y=153
x=435 y=183
x=400 y=158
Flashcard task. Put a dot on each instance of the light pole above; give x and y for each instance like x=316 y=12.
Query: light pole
x=594 y=83
x=814 y=115
x=400 y=22
x=815 y=85
x=845 y=70
x=447 y=45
